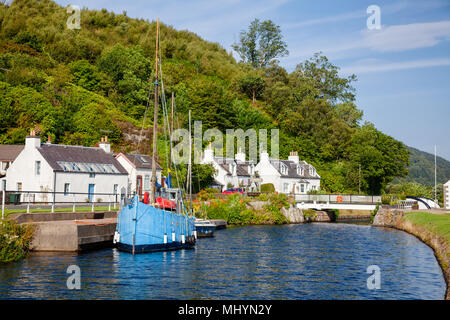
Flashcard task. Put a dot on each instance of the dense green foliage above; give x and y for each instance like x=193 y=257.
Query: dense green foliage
x=421 y=168
x=77 y=85
x=235 y=211
x=15 y=241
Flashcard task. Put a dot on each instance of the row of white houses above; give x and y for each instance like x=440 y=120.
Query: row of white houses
x=95 y=174
x=287 y=176
x=75 y=173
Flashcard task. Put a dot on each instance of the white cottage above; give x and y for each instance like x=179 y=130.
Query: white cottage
x=48 y=167
x=139 y=168
x=288 y=176
x=447 y=195
x=236 y=172
x=8 y=153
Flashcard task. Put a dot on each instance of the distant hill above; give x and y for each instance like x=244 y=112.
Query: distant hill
x=421 y=168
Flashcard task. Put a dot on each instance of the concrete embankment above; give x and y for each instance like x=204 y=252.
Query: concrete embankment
x=396 y=219
x=68 y=231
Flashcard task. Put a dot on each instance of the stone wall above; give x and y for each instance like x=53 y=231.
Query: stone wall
x=293 y=215
x=395 y=219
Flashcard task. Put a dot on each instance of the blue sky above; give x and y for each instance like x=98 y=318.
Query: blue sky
x=403 y=69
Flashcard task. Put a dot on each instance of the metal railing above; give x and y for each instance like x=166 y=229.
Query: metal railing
x=28 y=199
x=337 y=198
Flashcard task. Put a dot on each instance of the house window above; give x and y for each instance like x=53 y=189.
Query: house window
x=66 y=188
x=285 y=187
x=116 y=188
x=91 y=175
x=19 y=186
x=302 y=188
x=312 y=171
x=300 y=170
x=147 y=182
x=38 y=168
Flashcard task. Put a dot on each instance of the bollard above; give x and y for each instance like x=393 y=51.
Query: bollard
x=109 y=206
x=73 y=208
x=92 y=207
x=53 y=208
x=28 y=205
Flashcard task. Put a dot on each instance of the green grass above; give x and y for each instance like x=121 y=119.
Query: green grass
x=436 y=223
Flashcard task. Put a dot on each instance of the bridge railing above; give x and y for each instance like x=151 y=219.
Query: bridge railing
x=337 y=198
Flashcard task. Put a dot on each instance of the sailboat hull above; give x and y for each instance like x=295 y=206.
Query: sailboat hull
x=143 y=228
x=146 y=248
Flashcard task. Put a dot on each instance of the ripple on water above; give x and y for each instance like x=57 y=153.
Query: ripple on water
x=312 y=261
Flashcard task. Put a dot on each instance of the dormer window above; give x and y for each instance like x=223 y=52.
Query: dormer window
x=300 y=170
x=283 y=169
x=312 y=171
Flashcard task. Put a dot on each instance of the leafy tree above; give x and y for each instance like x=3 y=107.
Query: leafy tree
x=131 y=72
x=262 y=43
x=252 y=84
x=323 y=76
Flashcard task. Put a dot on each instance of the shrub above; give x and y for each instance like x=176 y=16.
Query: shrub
x=267 y=187
x=308 y=214
x=15 y=241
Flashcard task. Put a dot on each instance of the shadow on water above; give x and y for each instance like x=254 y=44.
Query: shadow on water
x=310 y=261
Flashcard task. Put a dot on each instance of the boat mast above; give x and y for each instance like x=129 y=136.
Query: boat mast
x=170 y=133
x=155 y=120
x=190 y=163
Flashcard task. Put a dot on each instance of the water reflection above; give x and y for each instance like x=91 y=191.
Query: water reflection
x=312 y=261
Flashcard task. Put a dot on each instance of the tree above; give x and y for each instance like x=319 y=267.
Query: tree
x=262 y=43
x=252 y=84
x=323 y=76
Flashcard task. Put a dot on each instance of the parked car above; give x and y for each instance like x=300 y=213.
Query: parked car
x=234 y=190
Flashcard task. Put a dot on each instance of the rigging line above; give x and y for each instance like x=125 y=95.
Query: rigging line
x=166 y=122
x=146 y=110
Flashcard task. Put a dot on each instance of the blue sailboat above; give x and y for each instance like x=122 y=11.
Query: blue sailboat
x=144 y=227
x=160 y=222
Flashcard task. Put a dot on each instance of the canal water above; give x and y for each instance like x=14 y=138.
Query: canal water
x=310 y=261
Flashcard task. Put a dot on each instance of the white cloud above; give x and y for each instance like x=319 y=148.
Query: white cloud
x=407 y=37
x=373 y=65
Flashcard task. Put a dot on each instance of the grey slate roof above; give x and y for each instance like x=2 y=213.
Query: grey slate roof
x=9 y=152
x=141 y=161
x=242 y=168
x=292 y=169
x=54 y=153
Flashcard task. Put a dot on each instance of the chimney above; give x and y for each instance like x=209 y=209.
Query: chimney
x=49 y=140
x=32 y=141
x=293 y=156
x=208 y=156
x=240 y=156
x=264 y=156
x=105 y=145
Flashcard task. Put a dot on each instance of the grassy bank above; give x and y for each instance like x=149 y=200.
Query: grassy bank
x=439 y=224
x=235 y=210
x=15 y=241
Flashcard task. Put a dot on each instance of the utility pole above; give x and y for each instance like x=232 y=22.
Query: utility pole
x=359 y=184
x=435 y=175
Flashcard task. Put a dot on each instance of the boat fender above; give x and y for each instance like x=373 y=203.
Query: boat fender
x=116 y=238
x=195 y=234
x=173 y=236
x=146 y=198
x=183 y=239
x=165 y=238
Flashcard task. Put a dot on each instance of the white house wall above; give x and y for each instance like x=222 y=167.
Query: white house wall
x=23 y=170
